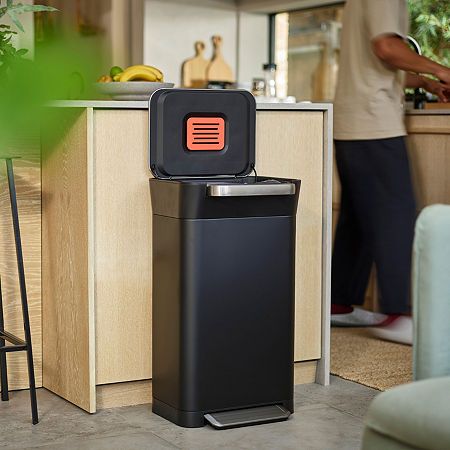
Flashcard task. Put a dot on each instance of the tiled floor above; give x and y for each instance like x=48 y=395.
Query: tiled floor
x=325 y=418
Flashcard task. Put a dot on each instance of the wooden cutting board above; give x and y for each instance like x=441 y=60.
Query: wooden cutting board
x=218 y=69
x=193 y=70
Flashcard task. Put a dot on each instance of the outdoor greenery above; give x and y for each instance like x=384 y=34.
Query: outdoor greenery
x=430 y=26
x=8 y=53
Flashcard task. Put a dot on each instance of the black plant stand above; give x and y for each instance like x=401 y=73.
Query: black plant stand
x=17 y=344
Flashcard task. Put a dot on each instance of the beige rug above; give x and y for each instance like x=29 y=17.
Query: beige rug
x=357 y=356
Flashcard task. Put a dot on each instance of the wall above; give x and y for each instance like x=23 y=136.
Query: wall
x=273 y=6
x=172 y=26
x=253 y=45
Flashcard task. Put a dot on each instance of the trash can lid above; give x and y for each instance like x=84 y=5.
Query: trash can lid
x=201 y=133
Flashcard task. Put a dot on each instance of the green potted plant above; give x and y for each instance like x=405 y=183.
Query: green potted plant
x=8 y=53
x=18 y=93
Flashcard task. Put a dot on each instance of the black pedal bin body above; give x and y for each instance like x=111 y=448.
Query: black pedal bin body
x=223 y=302
x=223 y=261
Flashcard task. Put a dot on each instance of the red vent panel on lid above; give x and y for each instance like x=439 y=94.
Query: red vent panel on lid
x=205 y=133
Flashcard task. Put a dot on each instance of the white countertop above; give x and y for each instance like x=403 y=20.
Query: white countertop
x=428 y=112
x=306 y=106
x=115 y=104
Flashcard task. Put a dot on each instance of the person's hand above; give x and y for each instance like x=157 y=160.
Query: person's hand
x=443 y=74
x=441 y=90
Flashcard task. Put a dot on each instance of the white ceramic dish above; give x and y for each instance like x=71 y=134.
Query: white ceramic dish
x=131 y=90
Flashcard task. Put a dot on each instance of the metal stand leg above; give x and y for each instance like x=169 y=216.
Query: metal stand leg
x=3 y=367
x=23 y=289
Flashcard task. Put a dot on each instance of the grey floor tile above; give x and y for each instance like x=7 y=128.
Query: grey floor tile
x=135 y=441
x=59 y=421
x=319 y=428
x=352 y=398
x=325 y=418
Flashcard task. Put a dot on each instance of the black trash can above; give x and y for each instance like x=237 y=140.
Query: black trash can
x=223 y=265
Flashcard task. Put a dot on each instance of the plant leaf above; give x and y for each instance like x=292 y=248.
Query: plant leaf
x=15 y=20
x=20 y=8
x=21 y=52
x=38 y=8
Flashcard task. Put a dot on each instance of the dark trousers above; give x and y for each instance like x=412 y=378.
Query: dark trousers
x=376 y=223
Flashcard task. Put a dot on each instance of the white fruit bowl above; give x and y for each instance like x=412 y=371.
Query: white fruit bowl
x=131 y=90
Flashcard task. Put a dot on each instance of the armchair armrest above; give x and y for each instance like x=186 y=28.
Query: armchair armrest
x=431 y=293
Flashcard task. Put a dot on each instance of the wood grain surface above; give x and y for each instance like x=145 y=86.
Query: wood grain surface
x=428 y=124
x=130 y=393
x=429 y=150
x=27 y=173
x=123 y=252
x=290 y=144
x=305 y=372
x=67 y=307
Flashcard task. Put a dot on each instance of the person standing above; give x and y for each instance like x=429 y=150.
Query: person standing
x=376 y=222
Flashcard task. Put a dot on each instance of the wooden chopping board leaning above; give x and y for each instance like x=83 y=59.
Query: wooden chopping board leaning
x=218 y=69
x=197 y=71
x=193 y=70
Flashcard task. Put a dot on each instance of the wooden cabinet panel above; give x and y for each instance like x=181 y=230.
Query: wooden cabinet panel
x=123 y=250
x=430 y=165
x=123 y=253
x=290 y=144
x=67 y=303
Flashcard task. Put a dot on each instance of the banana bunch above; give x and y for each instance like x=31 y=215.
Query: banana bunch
x=141 y=73
x=133 y=73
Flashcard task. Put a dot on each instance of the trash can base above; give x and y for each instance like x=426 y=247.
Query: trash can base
x=187 y=419
x=196 y=419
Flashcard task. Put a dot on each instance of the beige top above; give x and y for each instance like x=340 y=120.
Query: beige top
x=369 y=94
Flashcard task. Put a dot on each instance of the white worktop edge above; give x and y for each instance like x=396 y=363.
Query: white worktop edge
x=114 y=104
x=139 y=104
x=428 y=112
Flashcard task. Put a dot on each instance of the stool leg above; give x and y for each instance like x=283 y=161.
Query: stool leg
x=3 y=367
x=23 y=289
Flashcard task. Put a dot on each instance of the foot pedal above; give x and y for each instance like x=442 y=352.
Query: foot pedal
x=247 y=416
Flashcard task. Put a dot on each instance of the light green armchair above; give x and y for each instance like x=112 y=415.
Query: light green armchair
x=417 y=415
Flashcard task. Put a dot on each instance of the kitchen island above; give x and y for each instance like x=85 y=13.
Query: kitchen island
x=97 y=250
x=91 y=321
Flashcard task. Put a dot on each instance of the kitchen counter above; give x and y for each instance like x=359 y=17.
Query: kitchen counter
x=96 y=245
x=95 y=229
x=114 y=104
x=428 y=112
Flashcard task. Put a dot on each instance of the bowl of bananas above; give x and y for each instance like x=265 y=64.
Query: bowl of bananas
x=133 y=83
